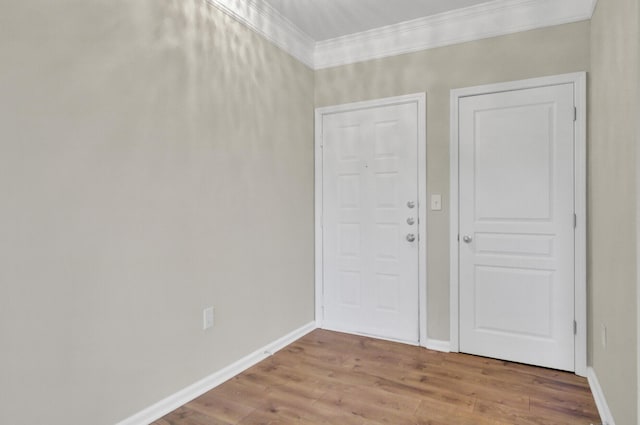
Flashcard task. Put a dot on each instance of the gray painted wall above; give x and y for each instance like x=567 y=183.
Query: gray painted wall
x=613 y=113
x=537 y=53
x=156 y=157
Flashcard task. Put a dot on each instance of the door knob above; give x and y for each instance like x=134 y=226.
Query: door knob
x=411 y=204
x=466 y=239
x=411 y=237
x=411 y=221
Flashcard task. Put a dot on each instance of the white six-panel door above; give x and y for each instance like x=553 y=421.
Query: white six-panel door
x=370 y=221
x=516 y=225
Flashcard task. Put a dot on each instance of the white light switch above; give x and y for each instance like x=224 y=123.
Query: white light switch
x=436 y=202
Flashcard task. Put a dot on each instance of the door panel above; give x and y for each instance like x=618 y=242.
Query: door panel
x=517 y=225
x=369 y=175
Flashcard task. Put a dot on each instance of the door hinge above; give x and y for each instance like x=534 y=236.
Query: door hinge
x=575 y=221
x=575 y=327
x=575 y=113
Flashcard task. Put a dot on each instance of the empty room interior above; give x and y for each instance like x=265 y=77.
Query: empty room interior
x=319 y=212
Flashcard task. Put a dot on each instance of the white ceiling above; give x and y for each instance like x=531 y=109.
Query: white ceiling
x=327 y=33
x=326 y=19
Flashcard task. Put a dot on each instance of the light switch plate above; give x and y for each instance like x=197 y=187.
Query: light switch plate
x=436 y=202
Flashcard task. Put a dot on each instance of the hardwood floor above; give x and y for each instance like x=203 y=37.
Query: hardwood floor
x=333 y=378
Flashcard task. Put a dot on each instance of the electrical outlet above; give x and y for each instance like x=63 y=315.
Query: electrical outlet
x=603 y=336
x=207 y=318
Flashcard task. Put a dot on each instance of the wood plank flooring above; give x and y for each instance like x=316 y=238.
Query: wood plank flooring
x=333 y=378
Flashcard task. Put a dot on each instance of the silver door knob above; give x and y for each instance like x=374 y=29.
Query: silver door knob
x=411 y=221
x=467 y=239
x=411 y=204
x=411 y=237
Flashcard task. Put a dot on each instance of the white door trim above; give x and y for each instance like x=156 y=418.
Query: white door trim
x=420 y=100
x=580 y=202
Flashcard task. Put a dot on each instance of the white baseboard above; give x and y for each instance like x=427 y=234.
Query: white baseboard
x=185 y=395
x=601 y=403
x=438 y=345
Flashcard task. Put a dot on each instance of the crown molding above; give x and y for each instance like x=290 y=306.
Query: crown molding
x=491 y=19
x=268 y=22
x=498 y=17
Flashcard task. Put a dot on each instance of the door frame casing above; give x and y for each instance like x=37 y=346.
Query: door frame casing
x=420 y=100
x=578 y=80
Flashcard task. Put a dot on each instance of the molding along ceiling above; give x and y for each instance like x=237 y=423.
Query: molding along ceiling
x=268 y=22
x=458 y=26
x=490 y=19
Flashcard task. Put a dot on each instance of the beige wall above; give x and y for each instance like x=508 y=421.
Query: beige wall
x=612 y=175
x=548 y=51
x=156 y=157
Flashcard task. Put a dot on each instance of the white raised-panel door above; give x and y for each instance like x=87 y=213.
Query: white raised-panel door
x=370 y=220
x=516 y=182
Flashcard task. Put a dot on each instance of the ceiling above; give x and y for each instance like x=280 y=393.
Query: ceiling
x=327 y=33
x=326 y=19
